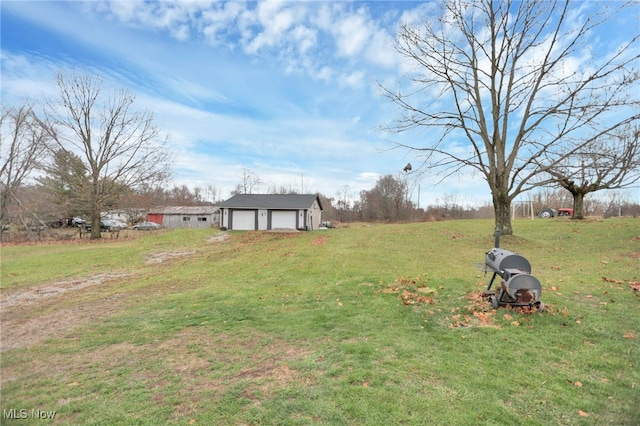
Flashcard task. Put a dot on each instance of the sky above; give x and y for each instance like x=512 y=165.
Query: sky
x=286 y=90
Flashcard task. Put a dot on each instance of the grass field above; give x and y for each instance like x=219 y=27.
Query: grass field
x=367 y=325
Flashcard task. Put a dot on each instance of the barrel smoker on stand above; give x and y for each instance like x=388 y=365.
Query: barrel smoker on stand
x=517 y=287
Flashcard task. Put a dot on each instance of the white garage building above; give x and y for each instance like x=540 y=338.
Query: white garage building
x=251 y=212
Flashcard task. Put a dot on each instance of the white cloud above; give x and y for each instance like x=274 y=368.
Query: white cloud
x=217 y=20
x=380 y=50
x=353 y=79
x=351 y=32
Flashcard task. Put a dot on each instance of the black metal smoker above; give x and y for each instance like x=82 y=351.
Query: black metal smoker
x=518 y=287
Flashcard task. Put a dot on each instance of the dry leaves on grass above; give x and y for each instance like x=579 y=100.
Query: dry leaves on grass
x=320 y=240
x=411 y=291
x=576 y=384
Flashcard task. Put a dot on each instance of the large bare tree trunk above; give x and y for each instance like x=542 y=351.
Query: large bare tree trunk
x=578 y=205
x=502 y=209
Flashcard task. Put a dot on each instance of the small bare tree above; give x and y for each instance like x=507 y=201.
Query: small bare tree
x=495 y=84
x=249 y=182
x=22 y=142
x=121 y=148
x=610 y=162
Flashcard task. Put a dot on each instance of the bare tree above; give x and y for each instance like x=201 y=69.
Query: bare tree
x=388 y=200
x=122 y=148
x=22 y=141
x=211 y=193
x=250 y=181
x=342 y=204
x=610 y=162
x=496 y=84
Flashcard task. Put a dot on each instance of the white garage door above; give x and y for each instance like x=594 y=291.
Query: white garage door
x=283 y=219
x=244 y=220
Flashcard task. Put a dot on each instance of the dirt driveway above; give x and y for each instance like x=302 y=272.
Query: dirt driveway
x=30 y=315
x=21 y=328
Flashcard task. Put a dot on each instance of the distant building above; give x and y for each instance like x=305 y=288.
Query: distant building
x=271 y=211
x=185 y=216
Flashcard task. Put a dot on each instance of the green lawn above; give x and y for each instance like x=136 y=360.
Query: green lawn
x=380 y=324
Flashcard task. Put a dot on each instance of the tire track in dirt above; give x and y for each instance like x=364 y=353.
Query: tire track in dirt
x=20 y=329
x=22 y=326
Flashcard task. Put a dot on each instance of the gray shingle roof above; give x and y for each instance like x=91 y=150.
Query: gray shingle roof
x=271 y=201
x=184 y=210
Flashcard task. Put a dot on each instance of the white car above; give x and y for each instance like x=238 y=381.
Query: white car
x=114 y=225
x=78 y=221
x=146 y=226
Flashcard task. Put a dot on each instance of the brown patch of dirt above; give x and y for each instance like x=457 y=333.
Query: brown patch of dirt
x=166 y=255
x=209 y=364
x=283 y=231
x=33 y=295
x=218 y=238
x=320 y=240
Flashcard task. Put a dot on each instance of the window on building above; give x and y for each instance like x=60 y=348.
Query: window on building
x=186 y=218
x=202 y=219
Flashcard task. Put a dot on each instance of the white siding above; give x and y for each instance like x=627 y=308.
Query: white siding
x=262 y=219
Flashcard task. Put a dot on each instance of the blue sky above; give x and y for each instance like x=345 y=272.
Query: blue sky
x=287 y=90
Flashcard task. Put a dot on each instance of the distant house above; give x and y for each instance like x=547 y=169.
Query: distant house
x=271 y=211
x=185 y=216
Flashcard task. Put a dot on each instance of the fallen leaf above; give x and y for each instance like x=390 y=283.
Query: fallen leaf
x=507 y=317
x=192 y=421
x=583 y=413
x=578 y=384
x=628 y=335
x=365 y=384
x=635 y=285
x=515 y=323
x=484 y=318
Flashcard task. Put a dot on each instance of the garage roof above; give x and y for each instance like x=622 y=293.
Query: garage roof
x=184 y=210
x=271 y=201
